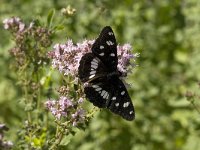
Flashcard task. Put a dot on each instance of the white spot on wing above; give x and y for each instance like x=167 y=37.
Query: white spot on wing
x=108 y=43
x=101 y=47
x=94 y=63
x=92 y=72
x=95 y=60
x=113 y=98
x=116 y=104
x=105 y=95
x=102 y=54
x=103 y=92
x=94 y=66
x=112 y=54
x=126 y=104
x=95 y=86
x=110 y=33
x=130 y=112
x=98 y=89
x=123 y=92
x=91 y=76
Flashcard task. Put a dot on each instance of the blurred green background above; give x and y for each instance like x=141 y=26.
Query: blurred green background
x=167 y=36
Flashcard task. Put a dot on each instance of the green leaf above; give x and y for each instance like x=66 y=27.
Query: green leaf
x=66 y=140
x=28 y=107
x=50 y=17
x=59 y=27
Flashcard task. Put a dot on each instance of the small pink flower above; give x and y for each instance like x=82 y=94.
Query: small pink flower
x=65 y=103
x=14 y=23
x=60 y=107
x=78 y=117
x=80 y=100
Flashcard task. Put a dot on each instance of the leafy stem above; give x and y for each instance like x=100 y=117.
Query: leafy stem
x=26 y=97
x=194 y=105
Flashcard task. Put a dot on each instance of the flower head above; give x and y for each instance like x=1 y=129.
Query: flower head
x=14 y=23
x=124 y=58
x=66 y=57
x=26 y=38
x=68 y=11
x=59 y=107
x=78 y=117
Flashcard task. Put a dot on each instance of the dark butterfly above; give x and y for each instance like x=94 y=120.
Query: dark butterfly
x=99 y=70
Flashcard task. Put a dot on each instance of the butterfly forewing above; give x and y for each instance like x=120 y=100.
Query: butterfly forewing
x=105 y=48
x=90 y=67
x=99 y=93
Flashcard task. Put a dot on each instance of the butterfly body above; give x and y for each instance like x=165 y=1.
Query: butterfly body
x=99 y=70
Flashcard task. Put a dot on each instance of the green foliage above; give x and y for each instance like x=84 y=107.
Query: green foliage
x=167 y=35
x=50 y=17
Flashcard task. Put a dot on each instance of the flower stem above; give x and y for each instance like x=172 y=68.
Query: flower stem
x=26 y=98
x=58 y=137
x=38 y=97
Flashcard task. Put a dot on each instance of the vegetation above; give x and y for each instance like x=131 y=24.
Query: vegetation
x=164 y=87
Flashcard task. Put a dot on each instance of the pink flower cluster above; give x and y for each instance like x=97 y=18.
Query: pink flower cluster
x=66 y=57
x=78 y=116
x=14 y=23
x=26 y=37
x=124 y=58
x=59 y=108
x=64 y=107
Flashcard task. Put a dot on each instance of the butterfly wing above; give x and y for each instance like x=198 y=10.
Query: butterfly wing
x=111 y=94
x=105 y=48
x=90 y=67
x=120 y=102
x=99 y=93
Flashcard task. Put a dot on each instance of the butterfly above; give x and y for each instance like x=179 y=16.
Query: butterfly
x=99 y=70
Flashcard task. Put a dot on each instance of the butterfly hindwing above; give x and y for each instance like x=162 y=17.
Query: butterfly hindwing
x=120 y=101
x=90 y=67
x=105 y=48
x=111 y=94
